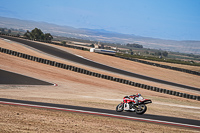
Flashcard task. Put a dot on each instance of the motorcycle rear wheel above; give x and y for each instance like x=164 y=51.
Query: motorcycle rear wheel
x=120 y=107
x=141 y=109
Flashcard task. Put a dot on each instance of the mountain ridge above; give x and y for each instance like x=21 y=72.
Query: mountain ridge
x=186 y=46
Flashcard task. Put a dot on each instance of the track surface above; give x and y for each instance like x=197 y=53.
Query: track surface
x=17 y=79
x=71 y=57
x=105 y=112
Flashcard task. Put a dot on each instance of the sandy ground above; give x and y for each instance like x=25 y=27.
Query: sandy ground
x=155 y=72
x=20 y=119
x=82 y=90
x=193 y=68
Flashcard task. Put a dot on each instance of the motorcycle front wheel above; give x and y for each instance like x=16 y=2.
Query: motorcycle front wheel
x=120 y=107
x=141 y=109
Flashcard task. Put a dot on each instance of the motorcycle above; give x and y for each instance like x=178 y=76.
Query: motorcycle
x=133 y=104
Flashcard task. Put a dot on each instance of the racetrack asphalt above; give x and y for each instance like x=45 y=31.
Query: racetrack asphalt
x=104 y=112
x=10 y=78
x=68 y=56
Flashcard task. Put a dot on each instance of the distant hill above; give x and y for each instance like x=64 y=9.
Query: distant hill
x=102 y=35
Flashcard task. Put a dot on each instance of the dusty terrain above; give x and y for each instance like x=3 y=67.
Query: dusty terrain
x=193 y=68
x=20 y=119
x=82 y=90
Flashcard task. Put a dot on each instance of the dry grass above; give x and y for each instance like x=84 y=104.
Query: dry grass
x=21 y=119
x=193 y=68
x=82 y=90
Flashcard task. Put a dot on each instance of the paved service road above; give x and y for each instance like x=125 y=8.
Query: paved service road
x=65 y=55
x=104 y=112
x=9 y=78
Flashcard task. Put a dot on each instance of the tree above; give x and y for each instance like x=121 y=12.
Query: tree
x=132 y=53
x=102 y=46
x=18 y=35
x=2 y=30
x=48 y=37
x=27 y=35
x=158 y=53
x=165 y=53
x=37 y=34
x=63 y=42
x=9 y=31
x=92 y=45
x=147 y=52
x=134 y=45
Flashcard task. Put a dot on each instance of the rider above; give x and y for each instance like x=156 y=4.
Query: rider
x=135 y=97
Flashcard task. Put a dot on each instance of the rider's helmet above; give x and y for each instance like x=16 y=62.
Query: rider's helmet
x=138 y=94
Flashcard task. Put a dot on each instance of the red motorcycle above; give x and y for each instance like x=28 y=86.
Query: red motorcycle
x=134 y=104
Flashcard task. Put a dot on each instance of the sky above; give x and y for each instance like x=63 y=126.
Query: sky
x=165 y=19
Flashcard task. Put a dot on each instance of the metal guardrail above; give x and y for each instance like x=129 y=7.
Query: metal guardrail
x=160 y=65
x=98 y=75
x=131 y=59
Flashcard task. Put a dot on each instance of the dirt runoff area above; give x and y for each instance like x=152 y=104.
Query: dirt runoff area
x=21 y=119
x=83 y=90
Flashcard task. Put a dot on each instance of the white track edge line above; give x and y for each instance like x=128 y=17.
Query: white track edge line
x=91 y=112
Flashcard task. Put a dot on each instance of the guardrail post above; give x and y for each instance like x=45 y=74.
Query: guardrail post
x=198 y=98
x=87 y=72
x=130 y=82
x=31 y=58
x=154 y=88
x=151 y=88
x=157 y=89
x=145 y=87
x=142 y=86
x=161 y=90
x=52 y=63
x=9 y=51
x=185 y=95
x=2 y=50
x=28 y=57
x=99 y=75
x=84 y=71
x=148 y=87
x=57 y=64
x=177 y=93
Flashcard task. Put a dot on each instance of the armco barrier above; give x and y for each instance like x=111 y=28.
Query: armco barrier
x=157 y=89
x=173 y=92
x=132 y=83
x=84 y=71
x=168 y=91
x=198 y=98
x=148 y=87
x=80 y=70
x=163 y=66
x=160 y=90
x=177 y=93
x=191 y=97
x=3 y=50
x=136 y=60
x=64 y=66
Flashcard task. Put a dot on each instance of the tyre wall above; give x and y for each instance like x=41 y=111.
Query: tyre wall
x=163 y=66
x=131 y=59
x=98 y=75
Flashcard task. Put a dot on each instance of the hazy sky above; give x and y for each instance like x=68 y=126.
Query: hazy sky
x=166 y=19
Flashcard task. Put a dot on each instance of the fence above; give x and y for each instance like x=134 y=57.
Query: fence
x=98 y=75
x=131 y=59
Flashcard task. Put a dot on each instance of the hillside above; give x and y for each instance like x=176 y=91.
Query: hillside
x=102 y=35
x=83 y=90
